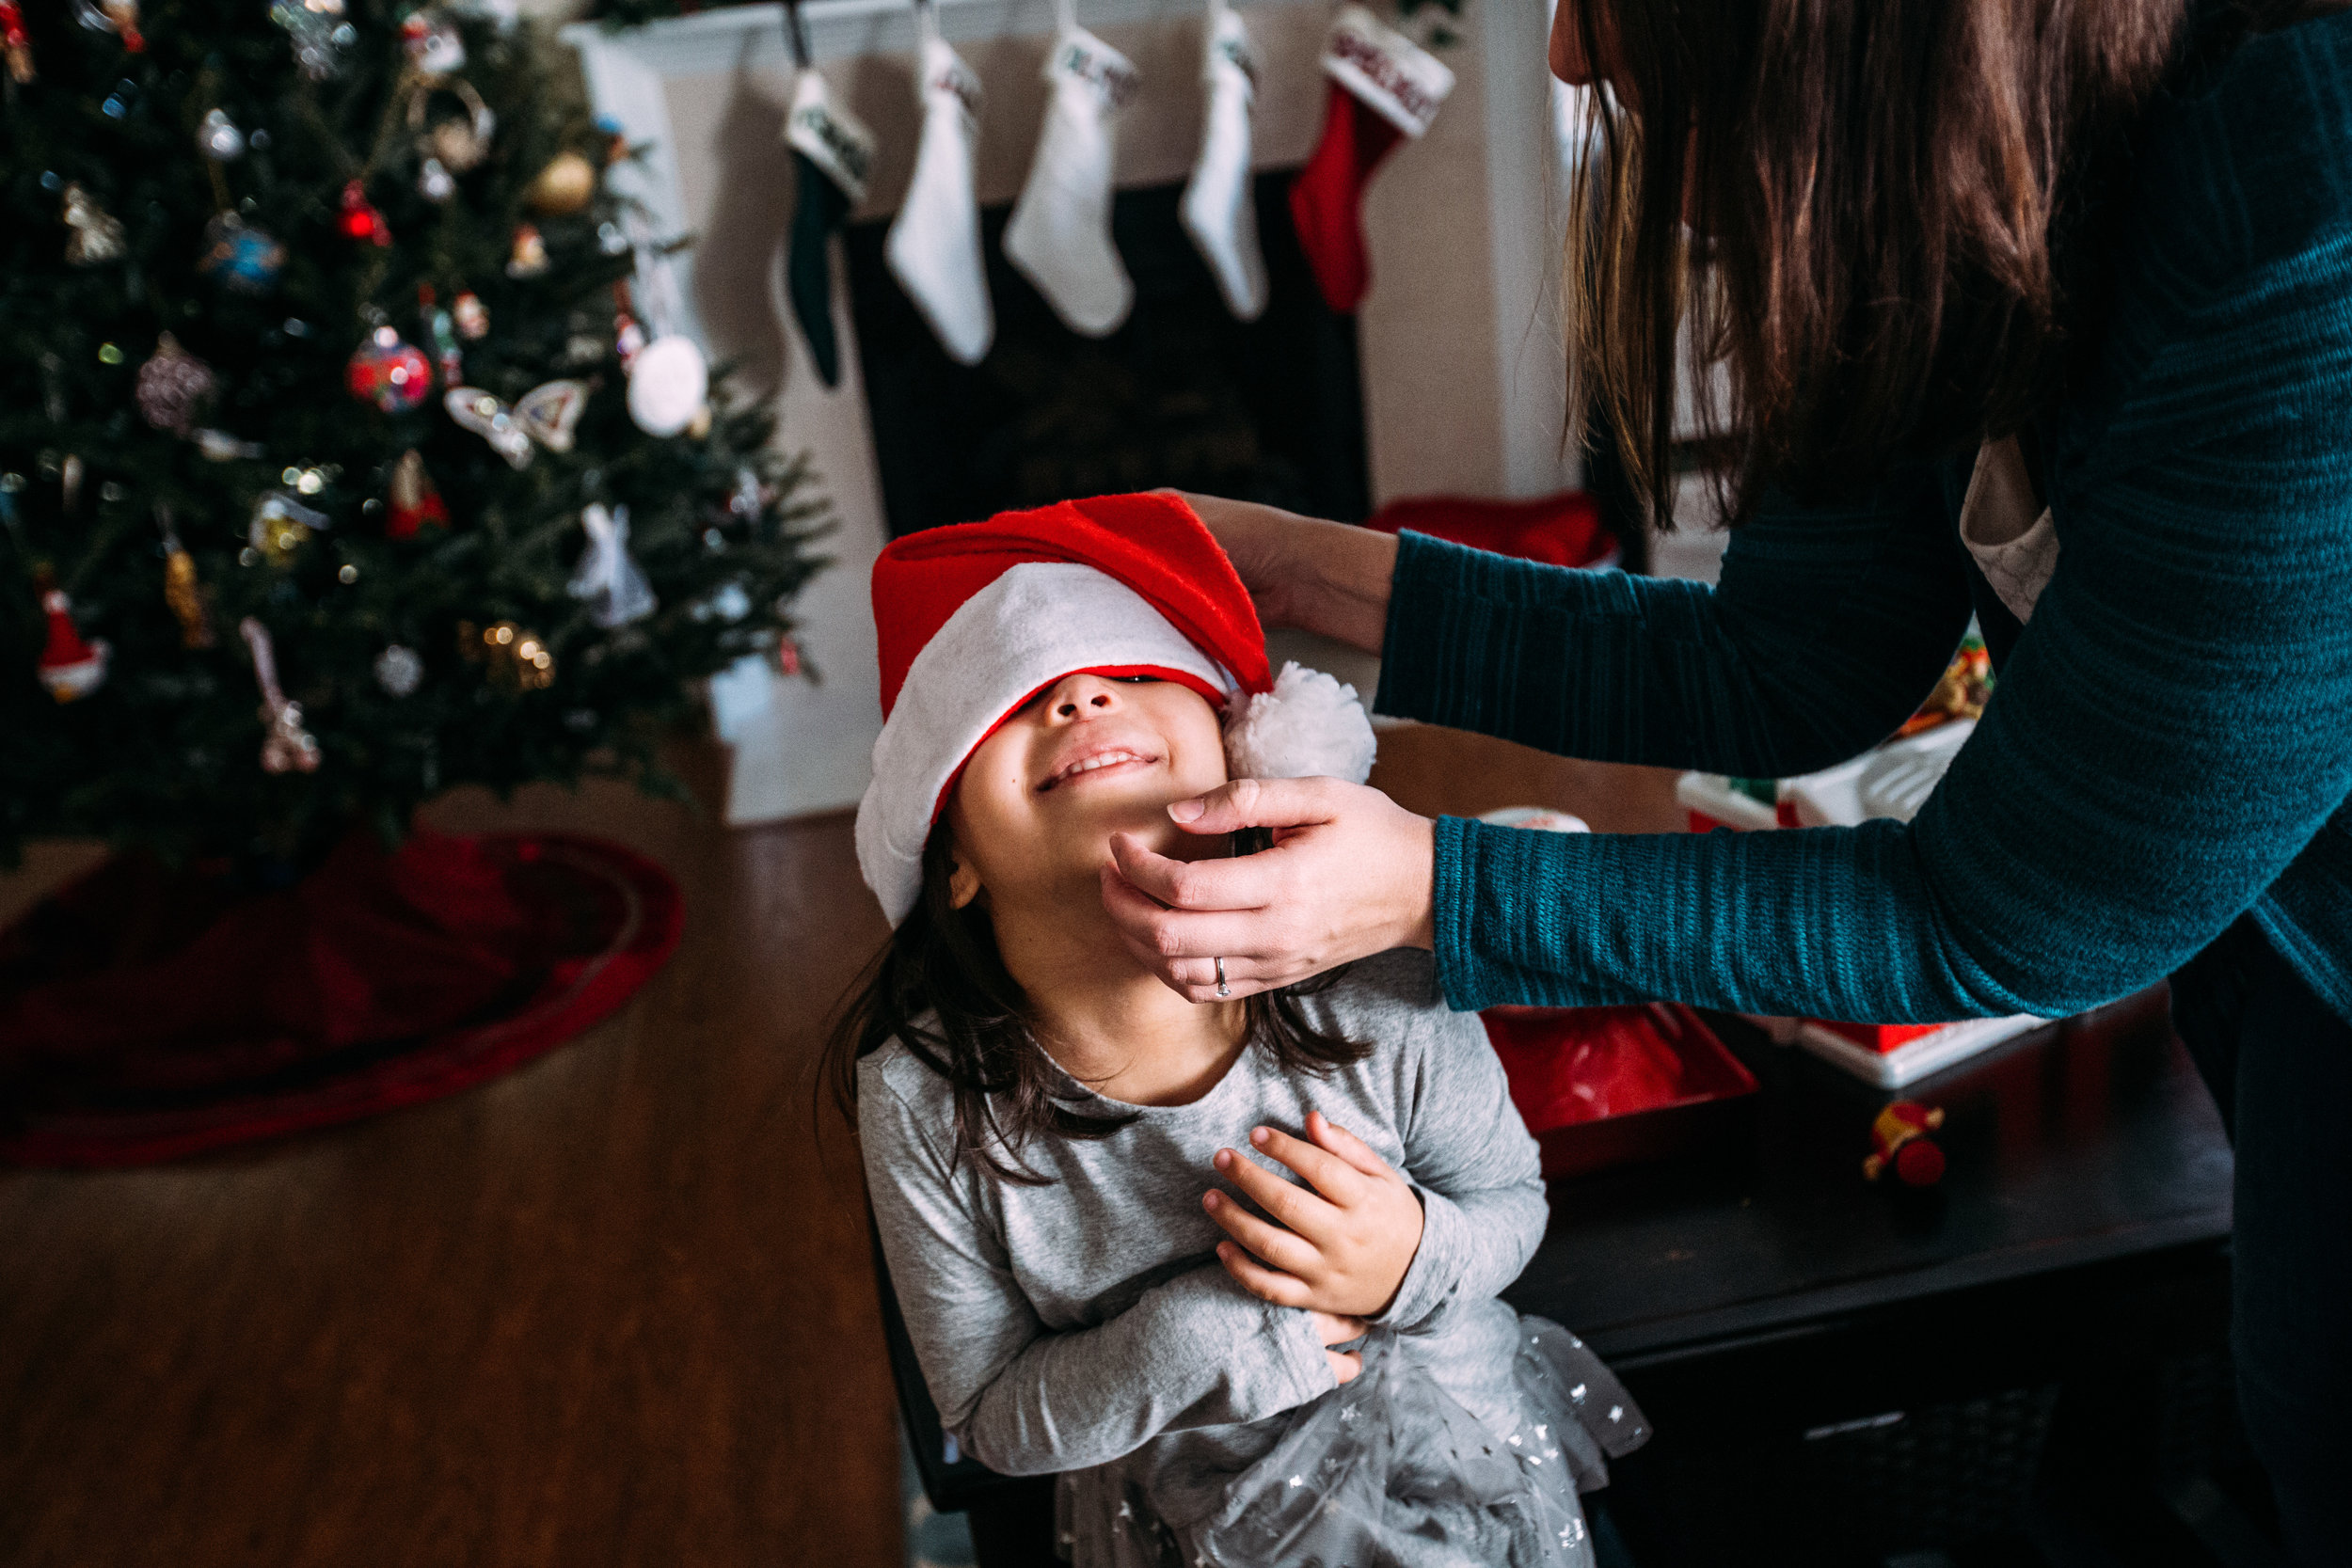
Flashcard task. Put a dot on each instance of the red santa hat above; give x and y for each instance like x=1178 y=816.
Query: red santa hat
x=972 y=621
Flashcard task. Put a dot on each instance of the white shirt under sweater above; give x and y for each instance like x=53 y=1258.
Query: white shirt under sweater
x=1086 y=1326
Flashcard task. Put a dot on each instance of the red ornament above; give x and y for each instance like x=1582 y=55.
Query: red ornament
x=69 y=667
x=415 y=501
x=1899 y=1138
x=787 y=656
x=394 y=376
x=360 y=219
x=16 y=42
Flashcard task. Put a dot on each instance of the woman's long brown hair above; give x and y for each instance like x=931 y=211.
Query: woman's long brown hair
x=1900 y=205
x=940 y=988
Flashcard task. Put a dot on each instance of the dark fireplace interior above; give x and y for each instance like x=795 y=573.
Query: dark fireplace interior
x=1182 y=395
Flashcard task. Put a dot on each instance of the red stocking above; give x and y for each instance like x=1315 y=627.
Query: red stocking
x=1383 y=88
x=1326 y=198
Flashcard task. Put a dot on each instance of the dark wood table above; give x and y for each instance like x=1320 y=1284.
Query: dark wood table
x=1870 y=1368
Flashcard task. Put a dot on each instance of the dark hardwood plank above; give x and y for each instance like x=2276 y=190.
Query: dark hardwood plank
x=613 y=1309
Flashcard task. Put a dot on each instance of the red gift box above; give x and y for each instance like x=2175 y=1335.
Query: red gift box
x=1602 y=1086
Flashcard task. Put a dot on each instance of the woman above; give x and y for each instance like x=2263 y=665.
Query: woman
x=2034 y=309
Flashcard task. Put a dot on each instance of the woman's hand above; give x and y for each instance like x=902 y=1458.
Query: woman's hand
x=1344 y=1251
x=1349 y=874
x=1336 y=1330
x=1303 y=572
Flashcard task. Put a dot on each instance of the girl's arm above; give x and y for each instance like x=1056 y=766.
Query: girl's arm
x=1025 y=1400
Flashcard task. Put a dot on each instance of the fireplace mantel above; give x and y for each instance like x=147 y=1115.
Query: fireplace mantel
x=1459 y=339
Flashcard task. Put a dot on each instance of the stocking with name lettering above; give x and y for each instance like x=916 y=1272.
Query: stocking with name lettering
x=1385 y=88
x=831 y=155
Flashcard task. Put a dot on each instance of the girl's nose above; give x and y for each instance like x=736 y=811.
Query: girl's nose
x=1083 y=696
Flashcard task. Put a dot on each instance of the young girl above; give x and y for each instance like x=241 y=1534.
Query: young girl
x=1076 y=1170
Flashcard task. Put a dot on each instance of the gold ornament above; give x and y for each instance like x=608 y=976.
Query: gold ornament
x=281 y=526
x=183 y=594
x=518 y=660
x=563 y=186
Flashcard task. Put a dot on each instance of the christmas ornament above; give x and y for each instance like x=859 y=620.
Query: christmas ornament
x=1385 y=88
x=628 y=340
x=218 y=446
x=487 y=416
x=219 y=138
x=414 y=500
x=124 y=15
x=280 y=526
x=606 y=580
x=831 y=155
x=1218 y=208
x=564 y=186
x=1059 y=238
x=1899 y=1138
x=70 y=483
x=97 y=236
x=530 y=256
x=548 y=412
x=318 y=33
x=787 y=656
x=69 y=667
x=390 y=372
x=471 y=316
x=934 y=244
x=399 y=671
x=449 y=147
x=173 y=386
x=286 y=746
x=240 y=258
x=358 y=219
x=16 y=42
x=668 y=386
x=433 y=182
x=182 y=592
x=432 y=43
x=447 y=356
x=517 y=660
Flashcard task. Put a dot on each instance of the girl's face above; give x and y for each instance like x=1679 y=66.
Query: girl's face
x=1088 y=756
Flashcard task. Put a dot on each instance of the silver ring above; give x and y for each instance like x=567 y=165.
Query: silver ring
x=1220 y=979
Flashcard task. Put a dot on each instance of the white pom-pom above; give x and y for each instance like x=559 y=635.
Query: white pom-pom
x=1309 y=726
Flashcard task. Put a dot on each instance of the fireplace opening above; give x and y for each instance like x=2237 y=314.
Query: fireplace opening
x=1181 y=395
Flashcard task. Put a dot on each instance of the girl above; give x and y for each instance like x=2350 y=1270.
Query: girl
x=1073 y=1169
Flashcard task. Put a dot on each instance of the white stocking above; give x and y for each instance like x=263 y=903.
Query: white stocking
x=934 y=244
x=1219 y=211
x=1060 y=233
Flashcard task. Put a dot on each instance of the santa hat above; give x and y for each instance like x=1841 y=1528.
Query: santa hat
x=973 y=620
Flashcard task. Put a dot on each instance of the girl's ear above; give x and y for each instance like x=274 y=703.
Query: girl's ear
x=963 y=883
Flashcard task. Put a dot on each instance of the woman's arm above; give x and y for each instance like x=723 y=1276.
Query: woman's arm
x=1025 y=1400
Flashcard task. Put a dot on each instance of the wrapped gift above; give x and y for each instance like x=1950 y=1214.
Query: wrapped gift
x=1602 y=1086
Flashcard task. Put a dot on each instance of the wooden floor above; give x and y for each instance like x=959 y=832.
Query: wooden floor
x=613 y=1309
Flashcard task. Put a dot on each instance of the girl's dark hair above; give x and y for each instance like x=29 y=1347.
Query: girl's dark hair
x=1902 y=205
x=939 y=988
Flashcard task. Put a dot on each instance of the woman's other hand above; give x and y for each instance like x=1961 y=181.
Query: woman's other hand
x=1349 y=875
x=1336 y=1330
x=1303 y=572
x=1344 y=1246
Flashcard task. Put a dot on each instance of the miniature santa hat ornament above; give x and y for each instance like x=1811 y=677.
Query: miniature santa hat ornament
x=69 y=667
x=976 y=619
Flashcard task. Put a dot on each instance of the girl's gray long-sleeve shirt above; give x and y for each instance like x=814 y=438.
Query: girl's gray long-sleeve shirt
x=1066 y=1325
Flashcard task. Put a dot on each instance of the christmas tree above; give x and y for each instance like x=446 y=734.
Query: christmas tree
x=335 y=465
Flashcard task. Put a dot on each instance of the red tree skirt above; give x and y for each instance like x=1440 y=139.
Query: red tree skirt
x=146 y=1015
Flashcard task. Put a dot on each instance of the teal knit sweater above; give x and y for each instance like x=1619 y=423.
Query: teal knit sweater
x=2171 y=743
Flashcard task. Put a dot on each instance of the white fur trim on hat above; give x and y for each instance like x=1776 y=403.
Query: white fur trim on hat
x=1309 y=726
x=1034 y=625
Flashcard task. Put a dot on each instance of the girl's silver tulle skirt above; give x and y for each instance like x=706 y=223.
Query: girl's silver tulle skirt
x=1420 y=1460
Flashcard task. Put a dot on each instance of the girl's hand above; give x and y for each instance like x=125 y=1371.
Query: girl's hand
x=1344 y=1251
x=1336 y=1330
x=1349 y=874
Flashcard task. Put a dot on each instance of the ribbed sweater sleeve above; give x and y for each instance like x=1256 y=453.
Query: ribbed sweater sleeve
x=2169 y=732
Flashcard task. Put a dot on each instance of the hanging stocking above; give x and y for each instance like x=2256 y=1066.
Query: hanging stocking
x=1061 y=232
x=831 y=155
x=1383 y=88
x=607 y=580
x=1218 y=210
x=934 y=245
